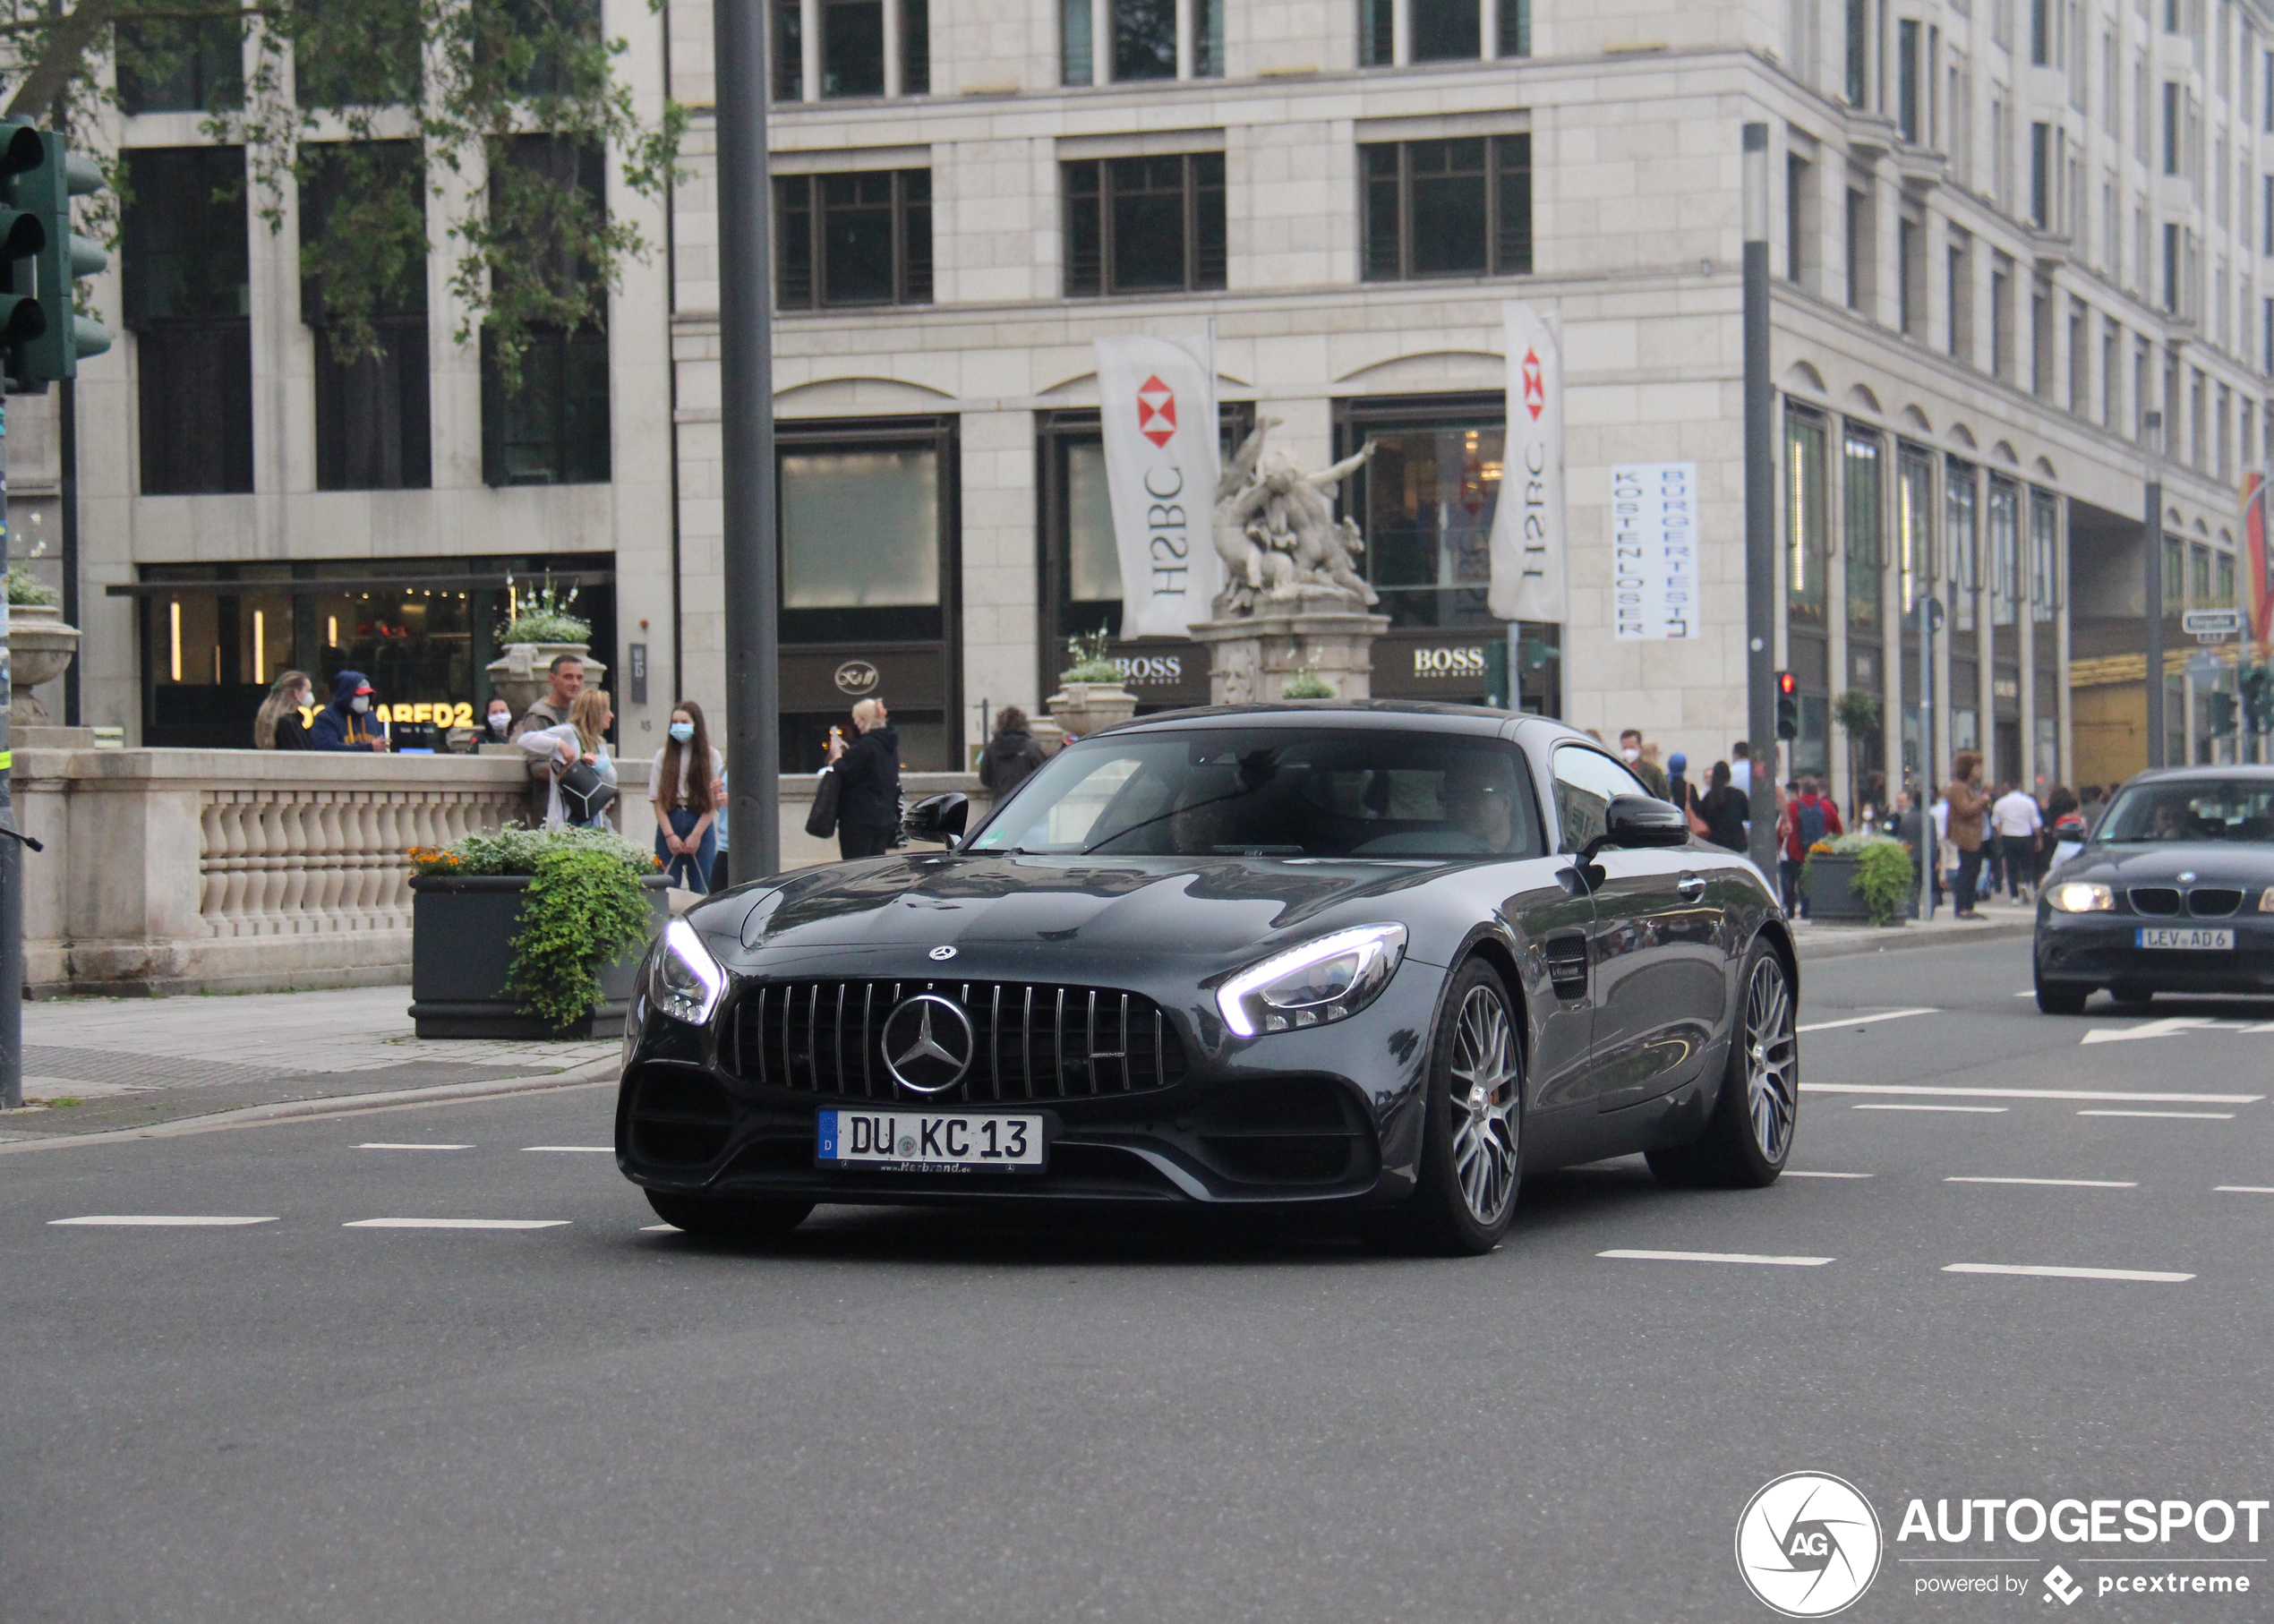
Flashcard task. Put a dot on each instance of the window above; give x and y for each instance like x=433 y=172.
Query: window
x=1914 y=533
x=853 y=47
x=2005 y=549
x=1863 y=254
x=1143 y=41
x=184 y=265
x=1448 y=208
x=180 y=65
x=1911 y=276
x=543 y=45
x=2002 y=316
x=1145 y=224
x=1515 y=27
x=1425 y=504
x=2111 y=380
x=858 y=238
x=2223 y=583
x=1587 y=781
x=1807 y=532
x=1446 y=31
x=1961 y=261
x=545 y=421
x=1906 y=80
x=371 y=404
x=2174 y=573
x=2040 y=33
x=2080 y=360
x=2041 y=356
x=2041 y=176
x=789 y=49
x=2045 y=555
x=2171 y=286
x=2198 y=575
x=345 y=57
x=1858 y=59
x=1865 y=546
x=1800 y=219
x=1442 y=30
x=2171 y=128
x=855 y=52
x=1958 y=504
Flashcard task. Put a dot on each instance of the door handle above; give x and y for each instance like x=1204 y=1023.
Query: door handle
x=1692 y=887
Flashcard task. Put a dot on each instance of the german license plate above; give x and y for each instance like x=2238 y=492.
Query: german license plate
x=931 y=1141
x=2199 y=939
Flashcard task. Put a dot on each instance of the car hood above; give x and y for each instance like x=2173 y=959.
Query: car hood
x=1177 y=907
x=2212 y=862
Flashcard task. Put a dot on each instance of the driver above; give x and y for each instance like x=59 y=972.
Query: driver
x=1478 y=799
x=2169 y=821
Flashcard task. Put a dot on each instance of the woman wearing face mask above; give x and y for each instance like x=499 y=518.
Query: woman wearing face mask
x=278 y=726
x=684 y=784
x=345 y=724
x=498 y=725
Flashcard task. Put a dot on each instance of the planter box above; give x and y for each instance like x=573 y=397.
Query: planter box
x=1832 y=898
x=462 y=934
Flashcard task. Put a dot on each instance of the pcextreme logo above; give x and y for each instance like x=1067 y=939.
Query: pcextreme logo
x=1808 y=1545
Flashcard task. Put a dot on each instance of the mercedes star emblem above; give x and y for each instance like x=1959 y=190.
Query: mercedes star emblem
x=942 y=954
x=930 y=1043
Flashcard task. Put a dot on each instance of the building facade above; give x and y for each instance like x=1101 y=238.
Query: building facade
x=2005 y=233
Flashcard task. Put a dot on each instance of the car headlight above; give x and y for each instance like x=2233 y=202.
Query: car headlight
x=683 y=980
x=1324 y=981
x=2266 y=902
x=2081 y=896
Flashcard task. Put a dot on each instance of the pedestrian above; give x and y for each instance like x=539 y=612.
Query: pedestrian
x=2090 y=800
x=345 y=725
x=683 y=783
x=1724 y=809
x=1812 y=816
x=2017 y=819
x=1969 y=809
x=1678 y=789
x=584 y=737
x=1945 y=854
x=1010 y=757
x=1652 y=775
x=1741 y=768
x=564 y=681
x=277 y=725
x=868 y=783
x=497 y=725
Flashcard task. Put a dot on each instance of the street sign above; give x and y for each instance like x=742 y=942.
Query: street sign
x=2212 y=625
x=2205 y=669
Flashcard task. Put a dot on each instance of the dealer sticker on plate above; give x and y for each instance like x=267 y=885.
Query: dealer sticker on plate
x=2198 y=937
x=931 y=1141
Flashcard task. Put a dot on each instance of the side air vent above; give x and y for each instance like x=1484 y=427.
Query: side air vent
x=1567 y=960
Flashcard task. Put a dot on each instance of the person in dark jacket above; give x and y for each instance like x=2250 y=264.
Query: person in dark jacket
x=868 y=784
x=345 y=725
x=1724 y=809
x=1010 y=757
x=278 y=726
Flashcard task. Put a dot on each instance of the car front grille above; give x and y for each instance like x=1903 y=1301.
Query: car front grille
x=2155 y=898
x=2213 y=901
x=1035 y=1041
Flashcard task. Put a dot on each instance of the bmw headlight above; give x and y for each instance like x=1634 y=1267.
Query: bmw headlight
x=683 y=980
x=1324 y=981
x=2081 y=896
x=2266 y=902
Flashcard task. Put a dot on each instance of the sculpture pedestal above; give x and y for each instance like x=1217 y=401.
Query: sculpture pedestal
x=1253 y=659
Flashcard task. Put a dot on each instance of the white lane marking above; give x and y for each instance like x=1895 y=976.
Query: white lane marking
x=1955 y=1093
x=1811 y=1173
x=661 y=1229
x=383 y=1145
x=588 y=1150
x=2027 y=992
x=2157 y=1275
x=155 y=1221
x=1970 y=1110
x=2189 y=1116
x=2169 y=1026
x=1884 y=1015
x=457 y=1223
x=1713 y=1257
x=2244 y=1188
x=2076 y=1183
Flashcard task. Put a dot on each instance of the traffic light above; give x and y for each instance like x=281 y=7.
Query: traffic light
x=41 y=190
x=1788 y=705
x=23 y=235
x=2256 y=685
x=2222 y=714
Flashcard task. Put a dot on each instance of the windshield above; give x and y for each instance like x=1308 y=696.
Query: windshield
x=2195 y=810
x=1273 y=792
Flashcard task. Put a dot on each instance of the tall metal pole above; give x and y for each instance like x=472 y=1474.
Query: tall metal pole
x=1922 y=797
x=2152 y=535
x=1760 y=506
x=67 y=415
x=11 y=848
x=746 y=344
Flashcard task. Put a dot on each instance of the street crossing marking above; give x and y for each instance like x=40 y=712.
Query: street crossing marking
x=456 y=1223
x=2189 y=1116
x=1959 y=1093
x=154 y=1221
x=1810 y=1173
x=587 y=1149
x=2157 y=1275
x=1713 y=1257
x=1886 y=1014
x=1973 y=1110
x=382 y=1145
x=2170 y=1026
x=2076 y=1183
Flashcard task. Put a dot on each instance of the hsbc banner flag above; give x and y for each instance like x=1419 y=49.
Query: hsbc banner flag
x=1529 y=582
x=1158 y=405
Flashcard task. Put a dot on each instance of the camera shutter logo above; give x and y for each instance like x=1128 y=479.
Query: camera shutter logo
x=930 y=1043
x=1808 y=1545
x=856 y=676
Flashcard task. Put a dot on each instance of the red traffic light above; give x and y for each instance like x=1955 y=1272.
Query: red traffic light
x=1787 y=685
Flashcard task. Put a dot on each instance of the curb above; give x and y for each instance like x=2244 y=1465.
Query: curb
x=336 y=1105
x=1904 y=940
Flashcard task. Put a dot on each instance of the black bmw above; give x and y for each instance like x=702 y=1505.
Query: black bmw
x=1386 y=956
x=2173 y=893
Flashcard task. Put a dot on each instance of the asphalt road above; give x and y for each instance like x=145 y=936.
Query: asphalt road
x=916 y=1416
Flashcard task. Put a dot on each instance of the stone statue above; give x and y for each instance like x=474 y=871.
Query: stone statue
x=1276 y=533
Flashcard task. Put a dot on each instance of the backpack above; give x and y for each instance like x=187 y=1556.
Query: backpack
x=1808 y=821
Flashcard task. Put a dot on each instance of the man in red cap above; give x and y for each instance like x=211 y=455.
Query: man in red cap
x=345 y=725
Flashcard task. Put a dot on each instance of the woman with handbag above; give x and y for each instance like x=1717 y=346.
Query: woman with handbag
x=583 y=777
x=685 y=785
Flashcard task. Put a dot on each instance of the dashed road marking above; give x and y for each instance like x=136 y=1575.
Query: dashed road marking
x=1884 y=1015
x=1972 y=1110
x=585 y=1150
x=2072 y=1183
x=1938 y=1092
x=383 y=1145
x=2155 y=1276
x=2186 y=1115
x=661 y=1229
x=151 y=1220
x=1812 y=1172
x=1713 y=1257
x=457 y=1223
x=2243 y=1188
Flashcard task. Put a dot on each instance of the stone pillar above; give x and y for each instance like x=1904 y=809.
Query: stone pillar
x=1253 y=659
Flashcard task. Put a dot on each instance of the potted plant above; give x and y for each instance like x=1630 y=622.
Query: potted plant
x=529 y=932
x=1089 y=692
x=1859 y=879
x=1307 y=684
x=40 y=647
x=541 y=628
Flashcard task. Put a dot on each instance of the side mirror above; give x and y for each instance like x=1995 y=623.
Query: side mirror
x=938 y=817
x=1644 y=821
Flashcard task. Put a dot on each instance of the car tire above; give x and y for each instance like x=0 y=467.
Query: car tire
x=1473 y=1125
x=2052 y=998
x=729 y=1218
x=1748 y=1137
x=2130 y=996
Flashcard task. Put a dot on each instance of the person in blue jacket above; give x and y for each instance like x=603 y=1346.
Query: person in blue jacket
x=345 y=725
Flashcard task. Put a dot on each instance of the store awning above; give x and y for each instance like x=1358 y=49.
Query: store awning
x=315 y=586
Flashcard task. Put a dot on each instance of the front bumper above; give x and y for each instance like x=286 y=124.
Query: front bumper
x=2100 y=950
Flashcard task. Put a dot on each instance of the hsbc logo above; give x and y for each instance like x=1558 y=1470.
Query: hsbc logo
x=1155 y=411
x=1536 y=388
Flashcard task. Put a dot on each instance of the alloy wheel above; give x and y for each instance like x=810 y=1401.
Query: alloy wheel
x=1771 y=1061
x=1485 y=1105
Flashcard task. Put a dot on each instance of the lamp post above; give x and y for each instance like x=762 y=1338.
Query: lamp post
x=1760 y=505
x=2153 y=581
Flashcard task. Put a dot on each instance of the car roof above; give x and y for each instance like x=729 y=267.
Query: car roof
x=1412 y=715
x=2251 y=771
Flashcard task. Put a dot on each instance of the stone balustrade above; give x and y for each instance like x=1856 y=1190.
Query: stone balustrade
x=246 y=870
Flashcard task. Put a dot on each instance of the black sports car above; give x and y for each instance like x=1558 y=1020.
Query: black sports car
x=1384 y=955
x=2173 y=893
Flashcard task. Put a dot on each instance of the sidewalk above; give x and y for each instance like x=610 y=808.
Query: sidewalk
x=2001 y=920
x=97 y=1064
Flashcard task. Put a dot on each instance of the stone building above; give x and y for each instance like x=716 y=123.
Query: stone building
x=2005 y=232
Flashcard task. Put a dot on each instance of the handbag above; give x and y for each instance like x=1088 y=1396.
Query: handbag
x=821 y=823
x=585 y=794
